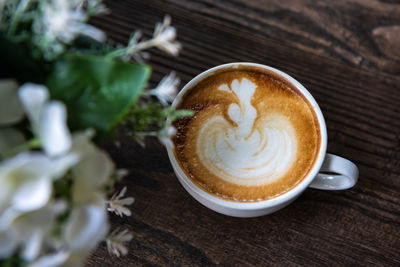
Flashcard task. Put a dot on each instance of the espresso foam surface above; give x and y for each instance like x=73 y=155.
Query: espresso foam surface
x=253 y=136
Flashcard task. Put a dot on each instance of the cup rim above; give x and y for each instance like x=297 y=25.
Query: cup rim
x=283 y=198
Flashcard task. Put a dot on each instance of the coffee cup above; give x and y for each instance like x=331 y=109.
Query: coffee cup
x=256 y=142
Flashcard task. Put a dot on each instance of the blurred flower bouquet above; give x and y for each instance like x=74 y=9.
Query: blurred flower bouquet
x=63 y=86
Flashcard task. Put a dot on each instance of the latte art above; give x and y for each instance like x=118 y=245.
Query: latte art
x=243 y=151
x=253 y=136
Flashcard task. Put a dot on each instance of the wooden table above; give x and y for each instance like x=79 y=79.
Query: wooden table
x=347 y=54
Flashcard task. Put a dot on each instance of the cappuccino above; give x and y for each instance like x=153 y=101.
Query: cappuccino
x=253 y=137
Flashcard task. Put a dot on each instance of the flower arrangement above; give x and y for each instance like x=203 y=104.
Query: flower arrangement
x=64 y=87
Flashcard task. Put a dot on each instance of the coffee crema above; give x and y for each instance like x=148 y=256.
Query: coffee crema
x=253 y=137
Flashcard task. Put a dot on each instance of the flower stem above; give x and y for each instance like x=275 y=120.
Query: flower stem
x=132 y=49
x=116 y=53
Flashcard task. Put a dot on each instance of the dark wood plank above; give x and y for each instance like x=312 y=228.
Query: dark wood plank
x=361 y=33
x=347 y=54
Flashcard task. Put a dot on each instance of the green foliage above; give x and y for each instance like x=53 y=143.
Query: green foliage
x=154 y=114
x=97 y=88
x=98 y=91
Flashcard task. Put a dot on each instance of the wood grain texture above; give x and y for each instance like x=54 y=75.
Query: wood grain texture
x=346 y=53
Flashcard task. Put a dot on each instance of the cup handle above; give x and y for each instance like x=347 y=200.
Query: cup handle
x=336 y=173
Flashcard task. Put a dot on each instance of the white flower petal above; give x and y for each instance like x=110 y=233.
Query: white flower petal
x=93 y=33
x=169 y=34
x=61 y=165
x=126 y=211
x=61 y=22
x=116 y=240
x=171 y=48
x=33 y=97
x=7 y=218
x=76 y=258
x=57 y=207
x=123 y=250
x=32 y=246
x=86 y=227
x=81 y=143
x=127 y=201
x=94 y=169
x=54 y=134
x=166 y=90
x=51 y=260
x=82 y=193
x=21 y=176
x=122 y=193
x=10 y=138
x=127 y=237
x=31 y=229
x=32 y=194
x=124 y=236
x=116 y=203
x=10 y=109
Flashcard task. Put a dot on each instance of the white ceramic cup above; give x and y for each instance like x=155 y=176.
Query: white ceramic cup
x=330 y=172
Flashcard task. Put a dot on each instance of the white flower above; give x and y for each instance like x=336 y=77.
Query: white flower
x=92 y=172
x=86 y=226
x=27 y=230
x=166 y=90
x=26 y=180
x=165 y=136
x=94 y=7
x=51 y=260
x=26 y=186
x=164 y=37
x=61 y=22
x=117 y=204
x=54 y=133
x=33 y=98
x=48 y=119
x=88 y=222
x=116 y=240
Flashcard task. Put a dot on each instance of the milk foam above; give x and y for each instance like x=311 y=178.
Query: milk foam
x=250 y=151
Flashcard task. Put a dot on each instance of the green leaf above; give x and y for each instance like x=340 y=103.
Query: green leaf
x=98 y=91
